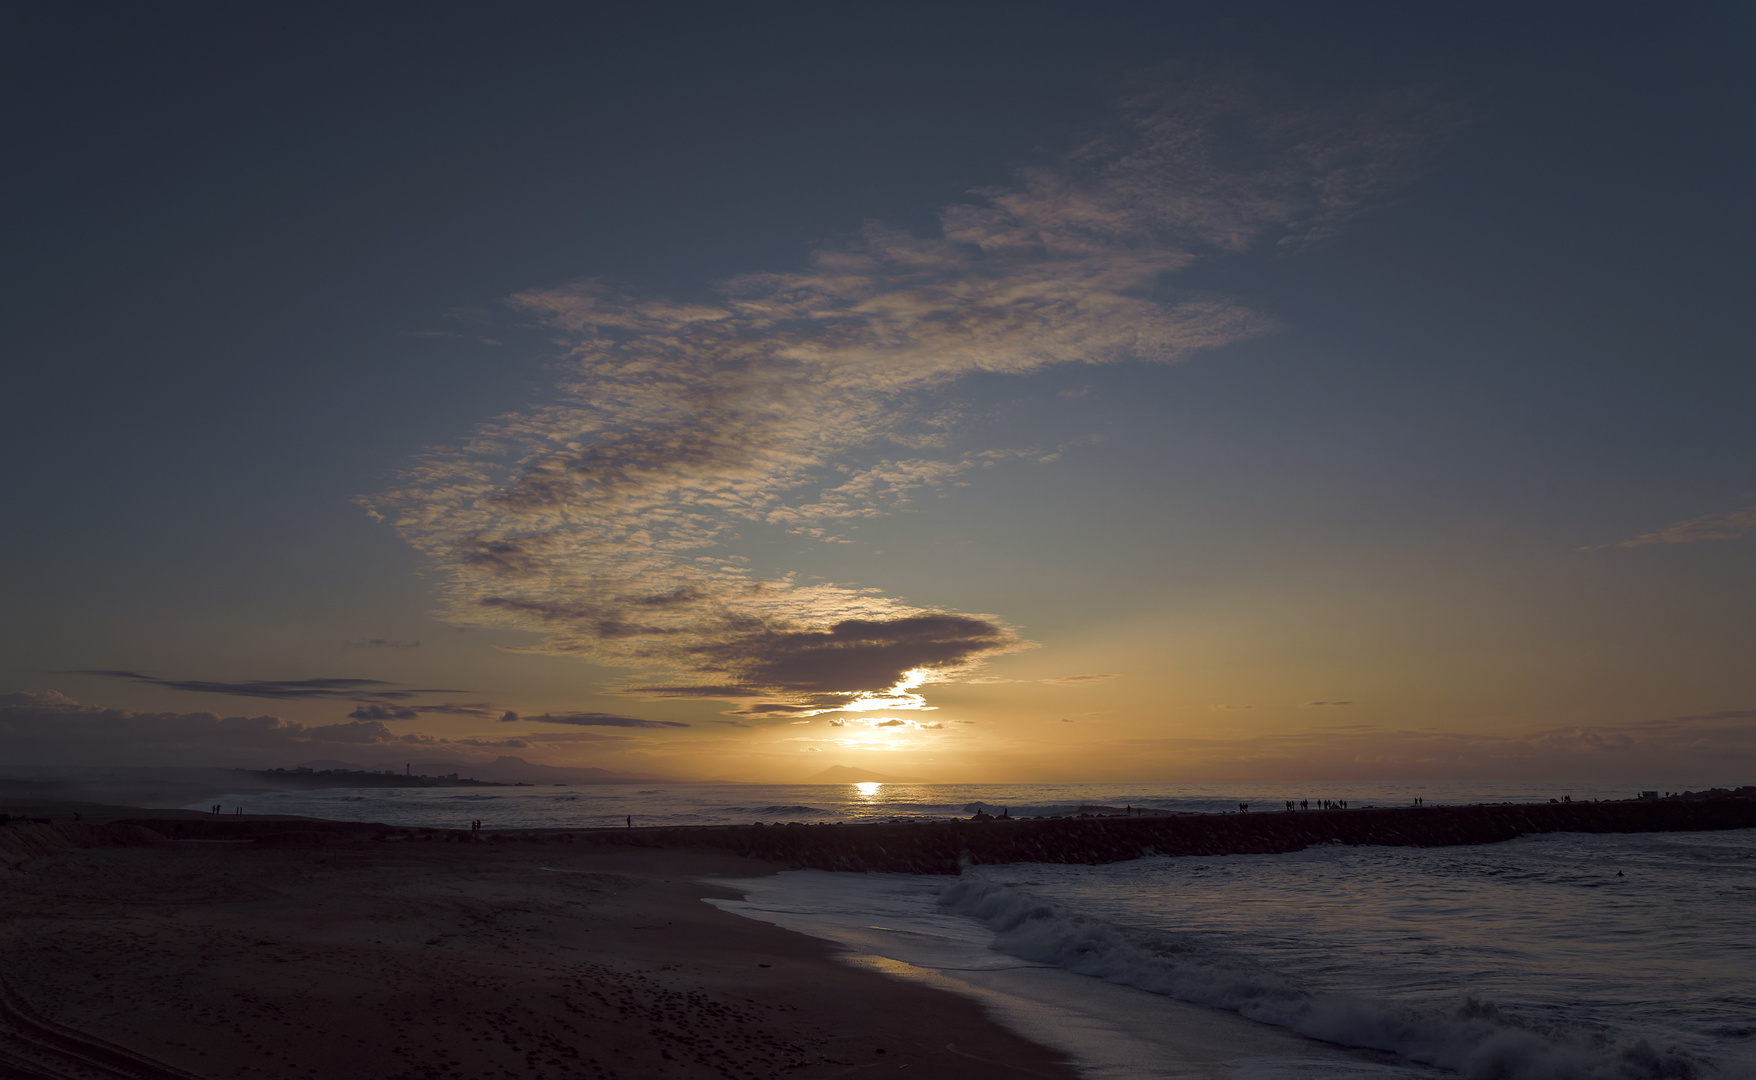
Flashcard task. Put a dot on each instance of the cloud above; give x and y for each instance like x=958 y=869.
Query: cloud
x=50 y=728
x=280 y=689
x=375 y=711
x=53 y=729
x=1225 y=708
x=1737 y=714
x=381 y=643
x=601 y=518
x=1325 y=704
x=1730 y=526
x=597 y=719
x=383 y=712
x=1077 y=680
x=46 y=698
x=888 y=723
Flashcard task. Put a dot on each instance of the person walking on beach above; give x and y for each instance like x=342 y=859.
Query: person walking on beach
x=631 y=821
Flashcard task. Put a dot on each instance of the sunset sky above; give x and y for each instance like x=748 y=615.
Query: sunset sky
x=981 y=392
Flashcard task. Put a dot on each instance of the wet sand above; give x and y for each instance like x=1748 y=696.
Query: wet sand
x=324 y=953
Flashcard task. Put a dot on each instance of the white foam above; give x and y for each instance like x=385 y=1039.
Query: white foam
x=894 y=923
x=1476 y=1040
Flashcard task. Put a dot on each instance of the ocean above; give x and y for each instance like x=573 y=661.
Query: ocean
x=1556 y=956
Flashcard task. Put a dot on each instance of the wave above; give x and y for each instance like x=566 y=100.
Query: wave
x=774 y=810
x=1474 y=1038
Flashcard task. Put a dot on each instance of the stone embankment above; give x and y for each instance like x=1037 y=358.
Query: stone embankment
x=942 y=847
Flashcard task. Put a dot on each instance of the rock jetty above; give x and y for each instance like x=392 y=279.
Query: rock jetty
x=943 y=847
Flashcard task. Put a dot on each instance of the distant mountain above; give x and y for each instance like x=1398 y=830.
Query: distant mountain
x=842 y=774
x=516 y=770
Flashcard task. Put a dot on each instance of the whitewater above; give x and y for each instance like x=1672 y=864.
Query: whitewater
x=1556 y=956
x=1552 y=957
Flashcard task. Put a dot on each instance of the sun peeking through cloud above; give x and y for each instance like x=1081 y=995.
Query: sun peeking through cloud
x=603 y=518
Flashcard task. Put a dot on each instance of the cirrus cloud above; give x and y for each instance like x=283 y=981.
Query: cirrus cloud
x=600 y=519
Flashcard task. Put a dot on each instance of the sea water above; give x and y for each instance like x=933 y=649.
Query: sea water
x=1555 y=956
x=609 y=805
x=1549 y=957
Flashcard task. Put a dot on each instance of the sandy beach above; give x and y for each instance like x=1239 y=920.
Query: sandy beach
x=349 y=957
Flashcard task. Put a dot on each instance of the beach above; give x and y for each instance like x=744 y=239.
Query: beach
x=1505 y=940
x=332 y=955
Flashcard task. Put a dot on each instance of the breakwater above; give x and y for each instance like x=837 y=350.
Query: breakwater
x=942 y=847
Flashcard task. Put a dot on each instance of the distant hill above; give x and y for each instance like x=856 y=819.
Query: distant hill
x=515 y=770
x=842 y=774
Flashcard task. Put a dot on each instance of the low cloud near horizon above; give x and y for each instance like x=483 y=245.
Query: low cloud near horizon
x=50 y=728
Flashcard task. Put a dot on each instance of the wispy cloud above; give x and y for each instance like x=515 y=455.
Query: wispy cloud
x=281 y=689
x=1735 y=714
x=594 y=719
x=374 y=704
x=52 y=728
x=1078 y=680
x=381 y=643
x=600 y=519
x=1731 y=526
x=376 y=711
x=1326 y=704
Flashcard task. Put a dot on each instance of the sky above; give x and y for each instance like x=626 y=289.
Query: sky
x=984 y=392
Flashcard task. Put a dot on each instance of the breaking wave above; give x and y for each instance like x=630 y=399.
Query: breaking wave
x=1474 y=1038
x=791 y=809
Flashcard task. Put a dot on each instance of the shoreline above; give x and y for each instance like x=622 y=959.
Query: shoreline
x=325 y=954
x=434 y=948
